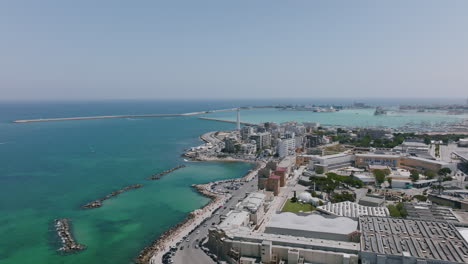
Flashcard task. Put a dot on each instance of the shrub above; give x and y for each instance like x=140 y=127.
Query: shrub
x=420 y=197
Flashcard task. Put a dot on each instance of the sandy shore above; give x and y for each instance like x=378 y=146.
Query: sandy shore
x=153 y=253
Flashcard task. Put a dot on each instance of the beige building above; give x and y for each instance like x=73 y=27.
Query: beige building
x=365 y=160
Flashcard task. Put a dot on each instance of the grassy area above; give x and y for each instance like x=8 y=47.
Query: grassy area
x=330 y=150
x=297 y=206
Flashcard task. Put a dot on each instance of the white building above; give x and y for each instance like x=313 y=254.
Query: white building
x=412 y=148
x=255 y=205
x=285 y=146
x=463 y=142
x=249 y=149
x=312 y=226
x=263 y=140
x=331 y=162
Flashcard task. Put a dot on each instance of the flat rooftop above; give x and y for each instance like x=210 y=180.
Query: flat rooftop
x=430 y=212
x=313 y=223
x=428 y=160
x=435 y=240
x=253 y=201
x=339 y=155
x=234 y=219
x=373 y=155
x=241 y=234
x=350 y=209
x=463 y=155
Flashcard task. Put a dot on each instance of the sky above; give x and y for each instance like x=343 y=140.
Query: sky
x=112 y=49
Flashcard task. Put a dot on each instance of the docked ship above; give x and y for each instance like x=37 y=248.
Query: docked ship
x=380 y=111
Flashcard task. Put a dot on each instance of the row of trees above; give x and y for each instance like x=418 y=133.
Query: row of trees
x=382 y=175
x=398 y=138
x=397 y=210
x=332 y=181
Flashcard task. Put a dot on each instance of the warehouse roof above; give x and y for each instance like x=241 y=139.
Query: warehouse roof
x=313 y=222
x=436 y=240
x=350 y=209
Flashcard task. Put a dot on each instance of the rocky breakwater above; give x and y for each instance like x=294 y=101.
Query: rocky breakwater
x=159 y=175
x=185 y=226
x=69 y=245
x=160 y=243
x=98 y=203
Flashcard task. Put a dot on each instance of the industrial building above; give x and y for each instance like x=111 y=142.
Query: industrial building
x=430 y=212
x=371 y=201
x=331 y=162
x=312 y=226
x=392 y=241
x=236 y=242
x=352 y=210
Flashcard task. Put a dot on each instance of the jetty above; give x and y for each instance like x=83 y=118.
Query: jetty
x=63 y=228
x=119 y=116
x=159 y=175
x=228 y=121
x=98 y=203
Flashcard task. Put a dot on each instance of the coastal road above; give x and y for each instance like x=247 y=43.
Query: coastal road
x=191 y=254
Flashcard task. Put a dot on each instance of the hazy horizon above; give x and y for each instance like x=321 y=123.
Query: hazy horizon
x=114 y=50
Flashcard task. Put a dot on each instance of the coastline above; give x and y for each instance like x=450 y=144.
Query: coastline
x=153 y=252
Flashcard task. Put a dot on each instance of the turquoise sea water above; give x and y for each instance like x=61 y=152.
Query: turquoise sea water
x=351 y=117
x=47 y=170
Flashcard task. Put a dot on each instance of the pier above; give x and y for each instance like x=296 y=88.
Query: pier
x=119 y=116
x=228 y=121
x=98 y=203
x=69 y=245
x=158 y=176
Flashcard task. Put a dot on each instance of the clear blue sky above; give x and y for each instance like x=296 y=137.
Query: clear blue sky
x=111 y=49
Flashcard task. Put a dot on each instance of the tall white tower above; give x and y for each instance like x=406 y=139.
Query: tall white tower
x=238 y=119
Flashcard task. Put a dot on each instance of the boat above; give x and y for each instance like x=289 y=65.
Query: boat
x=380 y=111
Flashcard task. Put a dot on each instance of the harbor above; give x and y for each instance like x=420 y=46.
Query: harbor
x=63 y=229
x=98 y=203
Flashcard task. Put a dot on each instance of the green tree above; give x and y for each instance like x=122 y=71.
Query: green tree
x=414 y=176
x=393 y=211
x=319 y=170
x=430 y=174
x=379 y=176
x=294 y=198
x=401 y=208
x=427 y=140
x=389 y=180
x=420 y=197
x=387 y=172
x=444 y=172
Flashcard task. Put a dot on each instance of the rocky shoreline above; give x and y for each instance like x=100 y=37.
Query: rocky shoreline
x=69 y=245
x=145 y=255
x=158 y=176
x=160 y=244
x=98 y=203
